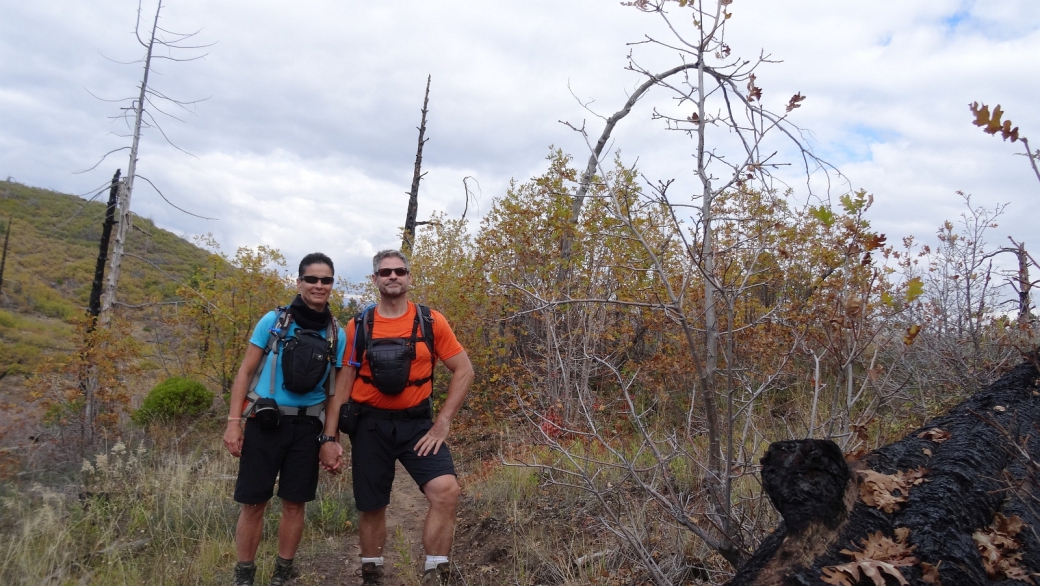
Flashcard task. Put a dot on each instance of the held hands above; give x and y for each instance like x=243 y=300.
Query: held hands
x=331 y=457
x=434 y=439
x=233 y=438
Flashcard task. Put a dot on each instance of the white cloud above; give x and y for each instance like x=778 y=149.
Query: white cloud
x=309 y=136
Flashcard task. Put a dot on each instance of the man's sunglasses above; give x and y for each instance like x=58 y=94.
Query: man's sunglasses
x=312 y=279
x=399 y=271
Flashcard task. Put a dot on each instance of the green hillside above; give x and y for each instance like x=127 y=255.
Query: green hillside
x=50 y=268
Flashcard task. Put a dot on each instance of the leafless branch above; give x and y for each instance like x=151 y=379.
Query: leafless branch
x=170 y=202
x=101 y=160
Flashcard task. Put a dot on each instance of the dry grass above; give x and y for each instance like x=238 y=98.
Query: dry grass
x=135 y=513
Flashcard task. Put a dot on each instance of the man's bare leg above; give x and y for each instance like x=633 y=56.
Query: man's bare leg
x=443 y=494
x=248 y=531
x=372 y=532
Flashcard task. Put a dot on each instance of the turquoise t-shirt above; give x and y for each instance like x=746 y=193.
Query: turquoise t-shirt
x=283 y=396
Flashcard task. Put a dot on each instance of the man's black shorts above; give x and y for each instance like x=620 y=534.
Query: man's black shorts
x=376 y=446
x=289 y=453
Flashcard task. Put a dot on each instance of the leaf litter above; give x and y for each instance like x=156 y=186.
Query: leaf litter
x=880 y=556
x=888 y=491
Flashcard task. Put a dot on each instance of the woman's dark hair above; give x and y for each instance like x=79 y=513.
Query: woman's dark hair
x=316 y=258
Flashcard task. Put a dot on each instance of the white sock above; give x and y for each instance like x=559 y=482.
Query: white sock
x=377 y=561
x=433 y=560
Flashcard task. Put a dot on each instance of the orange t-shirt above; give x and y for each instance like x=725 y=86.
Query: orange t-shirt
x=445 y=343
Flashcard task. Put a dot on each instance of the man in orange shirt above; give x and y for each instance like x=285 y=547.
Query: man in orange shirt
x=387 y=413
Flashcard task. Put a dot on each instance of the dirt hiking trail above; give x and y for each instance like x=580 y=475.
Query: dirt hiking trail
x=338 y=561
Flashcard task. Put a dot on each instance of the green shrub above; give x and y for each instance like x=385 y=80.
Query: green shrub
x=173 y=398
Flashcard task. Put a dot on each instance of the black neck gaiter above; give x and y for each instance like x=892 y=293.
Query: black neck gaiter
x=307 y=318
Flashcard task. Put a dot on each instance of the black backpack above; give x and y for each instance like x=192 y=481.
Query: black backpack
x=305 y=359
x=390 y=359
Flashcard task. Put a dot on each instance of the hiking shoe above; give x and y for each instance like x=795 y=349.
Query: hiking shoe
x=371 y=573
x=437 y=576
x=284 y=573
x=244 y=574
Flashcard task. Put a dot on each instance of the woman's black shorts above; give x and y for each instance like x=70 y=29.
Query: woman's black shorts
x=288 y=453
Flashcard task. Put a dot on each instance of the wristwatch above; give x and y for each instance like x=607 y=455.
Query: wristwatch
x=325 y=438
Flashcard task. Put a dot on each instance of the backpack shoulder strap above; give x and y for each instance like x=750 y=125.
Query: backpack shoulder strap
x=281 y=327
x=283 y=318
x=332 y=335
x=362 y=335
x=279 y=331
x=426 y=324
x=425 y=319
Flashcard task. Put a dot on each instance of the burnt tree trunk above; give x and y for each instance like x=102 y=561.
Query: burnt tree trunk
x=985 y=467
x=1024 y=285
x=413 y=194
x=3 y=259
x=94 y=306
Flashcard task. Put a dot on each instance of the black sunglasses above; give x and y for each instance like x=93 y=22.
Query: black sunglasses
x=399 y=271
x=312 y=279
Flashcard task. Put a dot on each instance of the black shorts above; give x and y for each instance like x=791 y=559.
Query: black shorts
x=289 y=453
x=375 y=448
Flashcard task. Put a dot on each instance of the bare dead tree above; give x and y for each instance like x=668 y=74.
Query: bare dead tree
x=680 y=251
x=465 y=188
x=126 y=188
x=3 y=258
x=1023 y=286
x=139 y=117
x=417 y=175
x=594 y=161
x=94 y=306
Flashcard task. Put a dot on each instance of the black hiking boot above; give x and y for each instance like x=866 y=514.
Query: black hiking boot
x=371 y=573
x=284 y=572
x=437 y=576
x=245 y=573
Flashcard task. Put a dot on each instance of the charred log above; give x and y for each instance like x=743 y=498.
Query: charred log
x=970 y=466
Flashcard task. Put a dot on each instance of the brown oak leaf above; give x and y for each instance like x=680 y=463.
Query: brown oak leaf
x=849 y=574
x=997 y=546
x=880 y=556
x=888 y=491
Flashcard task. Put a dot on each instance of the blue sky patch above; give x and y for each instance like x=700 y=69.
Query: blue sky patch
x=956 y=19
x=855 y=143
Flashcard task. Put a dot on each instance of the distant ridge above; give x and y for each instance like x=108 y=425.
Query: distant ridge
x=55 y=238
x=50 y=267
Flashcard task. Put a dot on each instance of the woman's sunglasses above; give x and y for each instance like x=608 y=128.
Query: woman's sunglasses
x=312 y=279
x=399 y=271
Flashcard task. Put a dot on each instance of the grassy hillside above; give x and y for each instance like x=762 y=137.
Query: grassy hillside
x=50 y=268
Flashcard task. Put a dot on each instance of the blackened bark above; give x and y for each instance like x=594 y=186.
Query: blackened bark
x=413 y=194
x=94 y=306
x=1024 y=285
x=805 y=480
x=976 y=473
x=3 y=259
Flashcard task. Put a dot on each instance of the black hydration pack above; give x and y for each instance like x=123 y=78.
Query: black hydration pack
x=305 y=358
x=390 y=359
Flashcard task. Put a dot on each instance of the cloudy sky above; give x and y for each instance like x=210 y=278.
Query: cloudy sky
x=306 y=138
